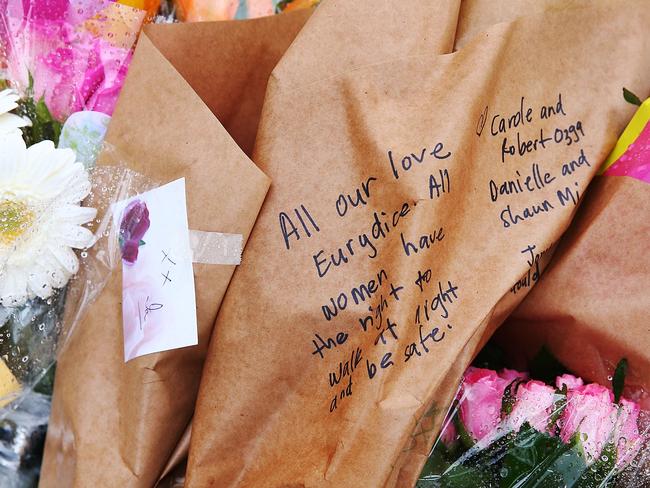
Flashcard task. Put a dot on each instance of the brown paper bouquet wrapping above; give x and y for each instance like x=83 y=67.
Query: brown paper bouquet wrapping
x=396 y=236
x=590 y=307
x=408 y=188
x=116 y=424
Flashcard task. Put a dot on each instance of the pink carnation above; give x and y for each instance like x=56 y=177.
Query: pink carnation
x=534 y=402
x=590 y=413
x=480 y=406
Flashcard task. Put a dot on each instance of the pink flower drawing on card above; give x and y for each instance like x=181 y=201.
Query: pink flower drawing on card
x=139 y=309
x=134 y=225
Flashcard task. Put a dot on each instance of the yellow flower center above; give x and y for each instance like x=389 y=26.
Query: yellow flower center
x=15 y=219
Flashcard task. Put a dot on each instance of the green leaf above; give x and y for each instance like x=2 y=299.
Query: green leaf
x=546 y=367
x=42 y=112
x=44 y=125
x=631 y=97
x=618 y=380
x=465 y=438
x=600 y=474
x=438 y=462
x=479 y=466
x=509 y=397
x=538 y=460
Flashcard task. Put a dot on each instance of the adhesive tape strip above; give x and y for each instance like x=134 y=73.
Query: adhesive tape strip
x=215 y=247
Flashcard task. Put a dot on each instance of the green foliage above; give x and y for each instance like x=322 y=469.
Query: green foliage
x=539 y=460
x=600 y=474
x=28 y=340
x=631 y=97
x=618 y=379
x=526 y=459
x=438 y=462
x=465 y=438
x=44 y=125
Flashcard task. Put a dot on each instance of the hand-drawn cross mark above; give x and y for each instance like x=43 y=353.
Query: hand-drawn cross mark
x=166 y=278
x=166 y=256
x=481 y=121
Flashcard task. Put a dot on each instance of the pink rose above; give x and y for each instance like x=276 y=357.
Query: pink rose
x=626 y=432
x=480 y=405
x=590 y=413
x=571 y=382
x=511 y=375
x=533 y=404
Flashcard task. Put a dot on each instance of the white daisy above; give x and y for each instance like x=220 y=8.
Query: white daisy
x=10 y=123
x=41 y=218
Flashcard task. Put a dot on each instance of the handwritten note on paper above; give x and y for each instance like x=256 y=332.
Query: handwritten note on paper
x=385 y=318
x=158 y=300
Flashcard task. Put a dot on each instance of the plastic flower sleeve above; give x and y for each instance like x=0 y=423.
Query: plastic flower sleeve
x=111 y=184
x=589 y=309
x=22 y=433
x=509 y=431
x=32 y=333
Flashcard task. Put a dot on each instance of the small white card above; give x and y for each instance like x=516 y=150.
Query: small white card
x=158 y=298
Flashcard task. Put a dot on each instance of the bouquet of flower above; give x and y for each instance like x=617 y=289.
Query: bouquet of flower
x=62 y=65
x=67 y=58
x=42 y=221
x=507 y=430
x=66 y=62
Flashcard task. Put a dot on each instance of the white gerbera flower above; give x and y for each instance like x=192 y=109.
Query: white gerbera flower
x=41 y=218
x=10 y=123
